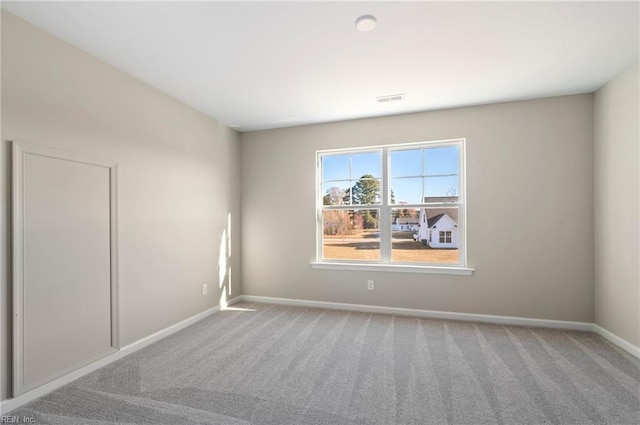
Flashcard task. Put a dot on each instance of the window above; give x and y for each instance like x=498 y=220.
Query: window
x=445 y=237
x=382 y=205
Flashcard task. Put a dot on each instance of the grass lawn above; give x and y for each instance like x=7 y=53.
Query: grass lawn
x=365 y=245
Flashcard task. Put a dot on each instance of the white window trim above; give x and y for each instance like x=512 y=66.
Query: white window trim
x=385 y=208
x=399 y=268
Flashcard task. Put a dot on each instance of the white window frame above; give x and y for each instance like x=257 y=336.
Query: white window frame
x=385 y=216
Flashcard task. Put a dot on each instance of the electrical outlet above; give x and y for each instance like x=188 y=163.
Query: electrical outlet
x=370 y=285
x=204 y=289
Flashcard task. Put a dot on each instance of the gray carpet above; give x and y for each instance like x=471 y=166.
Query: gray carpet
x=267 y=364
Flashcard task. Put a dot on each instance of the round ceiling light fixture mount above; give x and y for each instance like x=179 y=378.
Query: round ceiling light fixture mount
x=366 y=23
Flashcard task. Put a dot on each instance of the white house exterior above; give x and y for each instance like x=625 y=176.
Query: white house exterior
x=405 y=224
x=437 y=231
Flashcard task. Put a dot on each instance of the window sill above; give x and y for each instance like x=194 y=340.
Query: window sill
x=400 y=268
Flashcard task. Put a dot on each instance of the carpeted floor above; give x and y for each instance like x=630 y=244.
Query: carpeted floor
x=268 y=364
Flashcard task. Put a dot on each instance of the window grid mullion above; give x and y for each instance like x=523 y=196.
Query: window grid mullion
x=424 y=171
x=384 y=221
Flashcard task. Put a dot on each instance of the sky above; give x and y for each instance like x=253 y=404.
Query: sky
x=415 y=173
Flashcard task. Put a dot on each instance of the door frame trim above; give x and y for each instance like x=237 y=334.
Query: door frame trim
x=19 y=151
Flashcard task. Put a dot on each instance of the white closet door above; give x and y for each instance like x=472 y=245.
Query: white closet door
x=64 y=283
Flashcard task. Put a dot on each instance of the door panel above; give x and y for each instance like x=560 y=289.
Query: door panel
x=65 y=313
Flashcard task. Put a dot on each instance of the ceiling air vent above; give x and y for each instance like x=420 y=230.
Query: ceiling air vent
x=390 y=98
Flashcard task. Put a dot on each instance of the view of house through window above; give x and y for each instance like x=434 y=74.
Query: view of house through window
x=394 y=204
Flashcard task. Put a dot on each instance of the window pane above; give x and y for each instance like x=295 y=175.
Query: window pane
x=406 y=191
x=437 y=187
x=335 y=193
x=351 y=235
x=365 y=192
x=365 y=164
x=434 y=239
x=441 y=161
x=335 y=167
x=406 y=163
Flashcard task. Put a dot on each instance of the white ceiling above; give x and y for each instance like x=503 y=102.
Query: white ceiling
x=277 y=64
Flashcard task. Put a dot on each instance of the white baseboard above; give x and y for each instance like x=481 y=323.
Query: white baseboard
x=616 y=340
x=432 y=314
x=486 y=318
x=13 y=403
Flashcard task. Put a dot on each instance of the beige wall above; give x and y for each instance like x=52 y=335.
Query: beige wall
x=617 y=205
x=530 y=211
x=178 y=175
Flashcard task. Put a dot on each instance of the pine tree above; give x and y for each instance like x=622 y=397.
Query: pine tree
x=366 y=191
